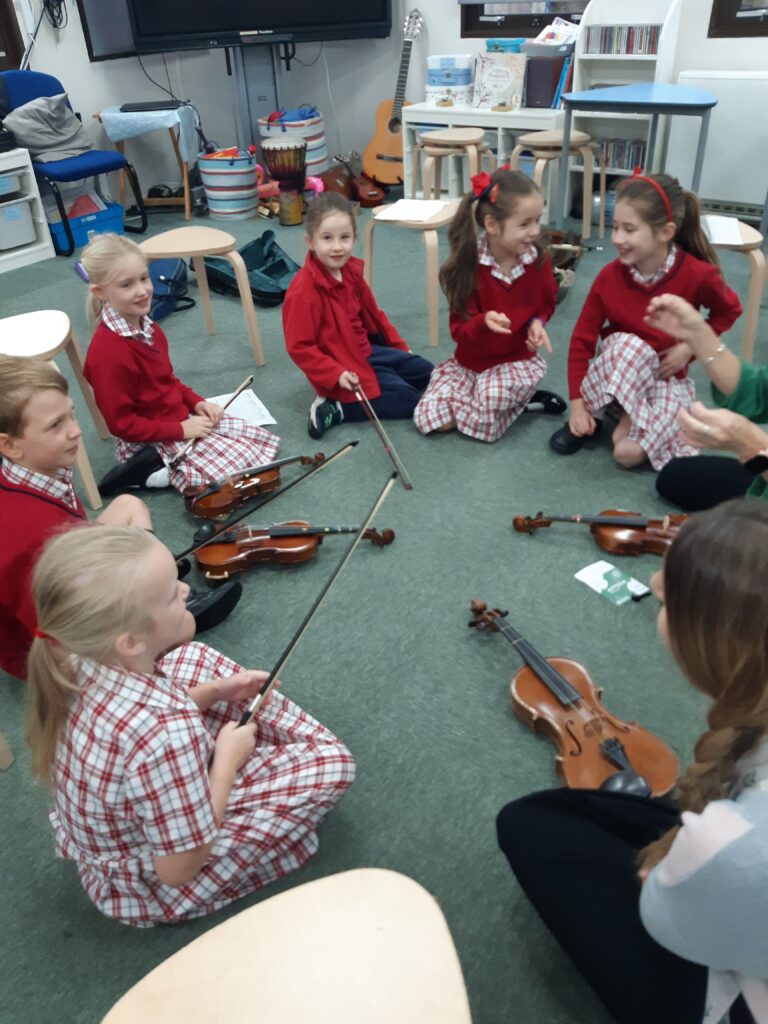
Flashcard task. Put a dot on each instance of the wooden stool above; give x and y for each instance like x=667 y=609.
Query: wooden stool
x=428 y=230
x=453 y=143
x=546 y=146
x=194 y=243
x=42 y=335
x=366 y=945
x=6 y=754
x=752 y=247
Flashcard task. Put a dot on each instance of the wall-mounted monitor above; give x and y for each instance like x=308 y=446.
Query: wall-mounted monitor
x=203 y=24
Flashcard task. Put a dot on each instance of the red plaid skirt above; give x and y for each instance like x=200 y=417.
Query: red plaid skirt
x=482 y=405
x=626 y=370
x=234 y=445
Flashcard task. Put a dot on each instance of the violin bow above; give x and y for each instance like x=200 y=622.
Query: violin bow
x=255 y=506
x=193 y=440
x=389 y=448
x=269 y=682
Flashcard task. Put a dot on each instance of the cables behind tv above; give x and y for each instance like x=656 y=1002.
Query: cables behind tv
x=56 y=13
x=205 y=145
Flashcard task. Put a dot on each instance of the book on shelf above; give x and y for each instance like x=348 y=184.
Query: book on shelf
x=561 y=85
x=629 y=40
x=499 y=81
x=622 y=154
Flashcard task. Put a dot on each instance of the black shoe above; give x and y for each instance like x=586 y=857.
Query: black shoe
x=132 y=473
x=565 y=443
x=210 y=607
x=548 y=402
x=323 y=415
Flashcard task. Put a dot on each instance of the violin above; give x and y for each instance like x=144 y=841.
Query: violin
x=282 y=544
x=219 y=499
x=621 y=533
x=557 y=696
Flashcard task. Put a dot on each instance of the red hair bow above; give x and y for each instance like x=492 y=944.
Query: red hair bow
x=483 y=189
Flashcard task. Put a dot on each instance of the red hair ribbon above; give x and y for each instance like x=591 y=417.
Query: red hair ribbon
x=482 y=187
x=638 y=176
x=41 y=635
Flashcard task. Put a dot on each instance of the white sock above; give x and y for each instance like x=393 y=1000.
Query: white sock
x=160 y=478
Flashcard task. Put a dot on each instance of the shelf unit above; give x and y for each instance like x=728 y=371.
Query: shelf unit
x=17 y=161
x=593 y=70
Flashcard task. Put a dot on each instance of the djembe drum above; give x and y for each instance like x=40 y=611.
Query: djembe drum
x=286 y=161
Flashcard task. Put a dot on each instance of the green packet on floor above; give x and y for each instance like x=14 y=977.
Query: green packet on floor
x=611 y=583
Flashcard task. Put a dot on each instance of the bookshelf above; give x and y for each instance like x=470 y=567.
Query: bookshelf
x=622 y=42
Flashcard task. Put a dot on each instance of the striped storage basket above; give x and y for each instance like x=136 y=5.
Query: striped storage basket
x=230 y=185
x=310 y=129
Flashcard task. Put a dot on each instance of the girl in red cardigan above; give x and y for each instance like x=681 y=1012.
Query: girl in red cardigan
x=641 y=372
x=338 y=336
x=147 y=408
x=501 y=291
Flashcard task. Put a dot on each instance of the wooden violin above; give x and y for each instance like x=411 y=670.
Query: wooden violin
x=621 y=533
x=558 y=697
x=282 y=544
x=219 y=499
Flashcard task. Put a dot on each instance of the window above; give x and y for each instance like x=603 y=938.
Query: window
x=739 y=18
x=518 y=18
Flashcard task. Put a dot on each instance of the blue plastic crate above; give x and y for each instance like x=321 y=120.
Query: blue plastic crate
x=110 y=219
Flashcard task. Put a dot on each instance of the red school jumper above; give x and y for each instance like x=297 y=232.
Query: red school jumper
x=135 y=387
x=530 y=296
x=27 y=519
x=327 y=323
x=616 y=302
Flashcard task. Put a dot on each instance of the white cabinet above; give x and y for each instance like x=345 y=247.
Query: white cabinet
x=16 y=164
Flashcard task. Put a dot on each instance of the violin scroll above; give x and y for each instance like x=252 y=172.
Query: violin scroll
x=484 y=619
x=527 y=524
x=379 y=538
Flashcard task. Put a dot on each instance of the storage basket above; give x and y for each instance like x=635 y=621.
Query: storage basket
x=310 y=129
x=110 y=219
x=16 y=224
x=230 y=185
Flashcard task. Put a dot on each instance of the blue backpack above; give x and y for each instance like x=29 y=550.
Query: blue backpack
x=170 y=282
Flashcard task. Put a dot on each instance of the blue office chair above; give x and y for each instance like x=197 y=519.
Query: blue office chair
x=18 y=88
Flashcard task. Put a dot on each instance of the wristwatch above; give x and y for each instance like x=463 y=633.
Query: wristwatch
x=757 y=464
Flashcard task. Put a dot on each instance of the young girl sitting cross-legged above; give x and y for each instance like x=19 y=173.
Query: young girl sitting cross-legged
x=336 y=333
x=639 y=371
x=501 y=291
x=146 y=406
x=168 y=808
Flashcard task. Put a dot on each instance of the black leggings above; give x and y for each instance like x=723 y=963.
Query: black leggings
x=702 y=481
x=573 y=852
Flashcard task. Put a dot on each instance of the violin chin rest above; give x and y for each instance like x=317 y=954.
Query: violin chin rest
x=628 y=782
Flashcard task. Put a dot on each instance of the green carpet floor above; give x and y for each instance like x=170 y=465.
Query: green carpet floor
x=388 y=663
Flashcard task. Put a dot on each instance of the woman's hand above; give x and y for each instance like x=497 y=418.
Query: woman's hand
x=233 y=745
x=196 y=426
x=349 y=381
x=537 y=336
x=674 y=359
x=497 y=322
x=211 y=410
x=722 y=430
x=676 y=317
x=580 y=422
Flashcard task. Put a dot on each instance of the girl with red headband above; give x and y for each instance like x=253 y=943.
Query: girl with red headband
x=639 y=372
x=501 y=293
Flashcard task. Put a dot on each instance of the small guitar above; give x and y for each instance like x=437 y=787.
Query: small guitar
x=383 y=156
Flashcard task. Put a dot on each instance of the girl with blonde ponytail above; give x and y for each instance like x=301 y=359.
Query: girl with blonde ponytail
x=167 y=807
x=664 y=908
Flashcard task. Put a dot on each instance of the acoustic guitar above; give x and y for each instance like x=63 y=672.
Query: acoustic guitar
x=383 y=156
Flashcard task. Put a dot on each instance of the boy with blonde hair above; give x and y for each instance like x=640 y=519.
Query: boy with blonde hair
x=39 y=439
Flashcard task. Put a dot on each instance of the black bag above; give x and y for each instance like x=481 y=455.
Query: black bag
x=270 y=271
x=170 y=281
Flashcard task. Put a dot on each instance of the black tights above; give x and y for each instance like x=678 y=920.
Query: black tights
x=702 y=481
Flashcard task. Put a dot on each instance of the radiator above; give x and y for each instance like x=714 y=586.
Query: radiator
x=735 y=174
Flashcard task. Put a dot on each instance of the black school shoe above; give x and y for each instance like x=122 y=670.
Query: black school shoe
x=565 y=443
x=547 y=402
x=210 y=607
x=132 y=473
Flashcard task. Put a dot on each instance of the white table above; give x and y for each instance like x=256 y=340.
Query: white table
x=507 y=124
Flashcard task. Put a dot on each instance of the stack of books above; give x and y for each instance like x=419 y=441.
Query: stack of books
x=622 y=39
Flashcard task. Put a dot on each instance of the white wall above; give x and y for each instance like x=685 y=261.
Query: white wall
x=695 y=52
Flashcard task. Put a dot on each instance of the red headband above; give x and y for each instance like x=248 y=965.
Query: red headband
x=637 y=176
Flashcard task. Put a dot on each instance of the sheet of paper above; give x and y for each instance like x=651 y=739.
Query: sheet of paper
x=418 y=210
x=611 y=583
x=248 y=407
x=721 y=230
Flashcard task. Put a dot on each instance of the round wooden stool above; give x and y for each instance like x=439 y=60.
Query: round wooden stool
x=366 y=945
x=194 y=243
x=428 y=230
x=752 y=247
x=546 y=146
x=454 y=144
x=42 y=335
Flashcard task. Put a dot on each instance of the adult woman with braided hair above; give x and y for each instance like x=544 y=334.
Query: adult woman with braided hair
x=663 y=908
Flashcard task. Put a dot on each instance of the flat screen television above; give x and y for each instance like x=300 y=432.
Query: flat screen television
x=160 y=25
